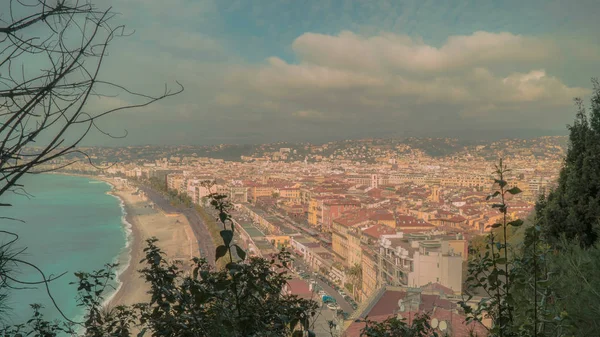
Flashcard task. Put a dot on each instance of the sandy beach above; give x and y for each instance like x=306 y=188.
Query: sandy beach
x=174 y=233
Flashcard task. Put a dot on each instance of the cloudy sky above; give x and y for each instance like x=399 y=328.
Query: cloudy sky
x=318 y=70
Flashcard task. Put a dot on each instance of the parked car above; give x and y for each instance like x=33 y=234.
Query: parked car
x=327 y=299
x=333 y=306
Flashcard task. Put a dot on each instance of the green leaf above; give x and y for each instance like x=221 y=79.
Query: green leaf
x=240 y=252
x=516 y=223
x=223 y=216
x=142 y=332
x=496 y=225
x=515 y=190
x=221 y=251
x=227 y=236
x=497 y=205
x=501 y=183
x=501 y=261
x=497 y=193
x=232 y=267
x=293 y=324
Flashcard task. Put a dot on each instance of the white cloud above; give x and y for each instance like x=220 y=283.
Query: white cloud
x=391 y=52
x=347 y=84
x=350 y=73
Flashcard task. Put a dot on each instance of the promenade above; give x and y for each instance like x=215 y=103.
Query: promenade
x=205 y=244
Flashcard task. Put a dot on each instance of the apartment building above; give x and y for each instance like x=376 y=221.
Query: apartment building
x=239 y=193
x=289 y=194
x=342 y=227
x=471 y=181
x=256 y=191
x=333 y=209
x=413 y=260
x=176 y=182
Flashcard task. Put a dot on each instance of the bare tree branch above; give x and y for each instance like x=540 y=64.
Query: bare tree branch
x=42 y=111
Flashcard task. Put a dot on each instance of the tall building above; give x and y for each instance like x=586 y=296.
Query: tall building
x=436 y=194
x=413 y=260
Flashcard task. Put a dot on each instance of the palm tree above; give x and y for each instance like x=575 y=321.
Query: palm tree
x=355 y=274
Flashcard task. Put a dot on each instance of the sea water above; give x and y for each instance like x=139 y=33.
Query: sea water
x=70 y=224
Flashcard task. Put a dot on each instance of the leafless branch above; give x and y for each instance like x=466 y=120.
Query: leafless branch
x=43 y=113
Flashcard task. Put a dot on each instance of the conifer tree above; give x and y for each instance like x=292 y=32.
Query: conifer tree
x=572 y=209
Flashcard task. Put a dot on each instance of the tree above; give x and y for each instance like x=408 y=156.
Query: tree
x=355 y=273
x=491 y=270
x=572 y=209
x=394 y=327
x=51 y=57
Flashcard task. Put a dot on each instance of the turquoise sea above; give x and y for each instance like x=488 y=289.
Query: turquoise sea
x=71 y=225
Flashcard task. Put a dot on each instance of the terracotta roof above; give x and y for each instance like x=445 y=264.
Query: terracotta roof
x=403 y=220
x=436 y=307
x=341 y=201
x=299 y=287
x=352 y=218
x=438 y=288
x=378 y=230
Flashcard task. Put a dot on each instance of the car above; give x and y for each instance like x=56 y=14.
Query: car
x=327 y=299
x=343 y=293
x=333 y=306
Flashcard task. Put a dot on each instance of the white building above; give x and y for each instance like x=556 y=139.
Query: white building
x=418 y=259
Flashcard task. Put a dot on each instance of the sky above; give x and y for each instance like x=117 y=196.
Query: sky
x=321 y=70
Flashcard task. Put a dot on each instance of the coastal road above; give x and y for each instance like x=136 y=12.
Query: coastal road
x=205 y=244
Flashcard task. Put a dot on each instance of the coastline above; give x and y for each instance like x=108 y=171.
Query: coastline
x=140 y=222
x=128 y=276
x=129 y=249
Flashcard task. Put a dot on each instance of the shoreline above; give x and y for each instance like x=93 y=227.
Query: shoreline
x=130 y=233
x=134 y=248
x=141 y=222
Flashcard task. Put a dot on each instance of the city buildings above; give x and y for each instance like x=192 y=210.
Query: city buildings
x=387 y=208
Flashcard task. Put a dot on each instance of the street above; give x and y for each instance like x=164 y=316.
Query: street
x=328 y=289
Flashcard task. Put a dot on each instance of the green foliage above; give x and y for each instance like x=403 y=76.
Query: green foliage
x=394 y=327
x=573 y=285
x=496 y=273
x=37 y=326
x=537 y=312
x=242 y=300
x=176 y=198
x=158 y=185
x=573 y=208
x=355 y=274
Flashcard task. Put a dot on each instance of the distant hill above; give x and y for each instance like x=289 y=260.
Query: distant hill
x=366 y=150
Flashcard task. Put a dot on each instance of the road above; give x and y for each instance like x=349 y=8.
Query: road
x=205 y=243
x=344 y=305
